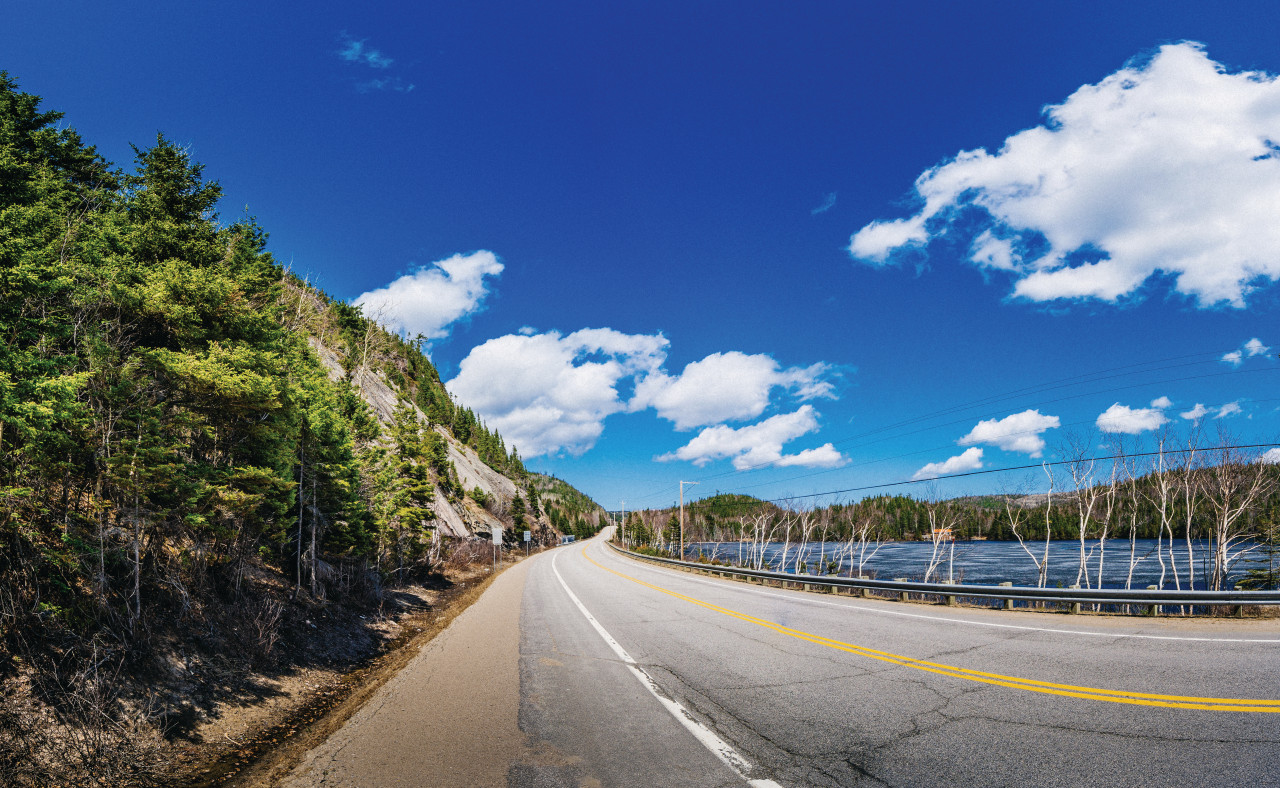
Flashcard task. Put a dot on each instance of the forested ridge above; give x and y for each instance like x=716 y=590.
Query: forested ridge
x=1182 y=490
x=183 y=424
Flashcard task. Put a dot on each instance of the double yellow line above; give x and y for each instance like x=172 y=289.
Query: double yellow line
x=996 y=679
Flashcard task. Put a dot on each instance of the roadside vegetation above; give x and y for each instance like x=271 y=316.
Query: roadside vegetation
x=200 y=454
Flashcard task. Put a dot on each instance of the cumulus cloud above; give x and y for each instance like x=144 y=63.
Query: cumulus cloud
x=970 y=460
x=1131 y=421
x=728 y=386
x=546 y=392
x=1200 y=411
x=1230 y=409
x=1196 y=413
x=760 y=444
x=1271 y=457
x=1170 y=166
x=432 y=298
x=1253 y=347
x=1019 y=432
x=1162 y=403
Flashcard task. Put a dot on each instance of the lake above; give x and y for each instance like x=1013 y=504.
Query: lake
x=991 y=562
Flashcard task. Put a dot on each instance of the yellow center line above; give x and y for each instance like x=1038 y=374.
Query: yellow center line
x=996 y=679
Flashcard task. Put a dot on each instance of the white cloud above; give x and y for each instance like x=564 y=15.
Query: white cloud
x=1233 y=358
x=1019 y=432
x=432 y=298
x=760 y=444
x=875 y=242
x=1196 y=413
x=1162 y=403
x=970 y=460
x=1131 y=421
x=1271 y=457
x=354 y=51
x=1254 y=347
x=993 y=252
x=1230 y=409
x=1166 y=166
x=546 y=392
x=724 y=387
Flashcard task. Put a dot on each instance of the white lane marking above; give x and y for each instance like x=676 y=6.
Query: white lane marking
x=718 y=747
x=848 y=606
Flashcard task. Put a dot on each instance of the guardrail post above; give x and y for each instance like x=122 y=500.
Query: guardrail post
x=1075 y=606
x=865 y=593
x=902 y=595
x=951 y=598
x=1008 y=603
x=1153 y=610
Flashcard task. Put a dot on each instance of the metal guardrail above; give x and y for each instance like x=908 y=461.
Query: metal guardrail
x=1143 y=598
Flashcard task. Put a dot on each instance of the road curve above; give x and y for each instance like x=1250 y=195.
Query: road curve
x=814 y=690
x=631 y=674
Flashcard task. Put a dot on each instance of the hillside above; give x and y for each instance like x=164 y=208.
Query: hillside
x=200 y=456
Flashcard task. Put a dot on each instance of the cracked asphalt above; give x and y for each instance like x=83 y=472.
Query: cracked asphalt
x=522 y=691
x=804 y=713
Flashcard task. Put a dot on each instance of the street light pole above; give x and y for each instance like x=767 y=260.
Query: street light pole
x=622 y=524
x=682 y=484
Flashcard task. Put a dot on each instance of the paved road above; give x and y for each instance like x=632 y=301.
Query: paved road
x=635 y=675
x=790 y=682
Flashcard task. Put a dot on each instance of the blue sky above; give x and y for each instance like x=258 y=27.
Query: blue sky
x=777 y=248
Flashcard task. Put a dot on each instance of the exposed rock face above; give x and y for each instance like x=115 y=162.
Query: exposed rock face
x=447 y=518
x=473 y=472
x=332 y=363
x=463 y=518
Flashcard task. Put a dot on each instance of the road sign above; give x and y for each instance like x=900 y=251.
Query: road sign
x=528 y=536
x=497 y=535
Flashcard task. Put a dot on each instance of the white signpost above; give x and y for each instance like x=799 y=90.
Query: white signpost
x=528 y=537
x=497 y=543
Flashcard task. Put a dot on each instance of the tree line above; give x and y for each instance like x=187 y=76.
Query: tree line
x=1211 y=507
x=167 y=422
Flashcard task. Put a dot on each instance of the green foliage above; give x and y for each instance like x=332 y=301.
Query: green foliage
x=165 y=420
x=570 y=510
x=480 y=496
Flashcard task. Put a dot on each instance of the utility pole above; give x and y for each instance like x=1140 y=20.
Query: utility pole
x=622 y=524
x=682 y=484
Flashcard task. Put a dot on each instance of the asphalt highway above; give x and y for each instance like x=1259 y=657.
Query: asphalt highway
x=583 y=668
x=793 y=688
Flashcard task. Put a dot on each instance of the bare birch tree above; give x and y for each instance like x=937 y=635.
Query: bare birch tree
x=1237 y=482
x=1080 y=465
x=1016 y=516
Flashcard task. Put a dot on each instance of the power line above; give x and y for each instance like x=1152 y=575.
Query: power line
x=983 y=472
x=914 y=453
x=947 y=411
x=961 y=408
